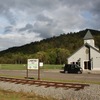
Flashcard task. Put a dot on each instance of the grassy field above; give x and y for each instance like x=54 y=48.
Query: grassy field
x=23 y=66
x=11 y=95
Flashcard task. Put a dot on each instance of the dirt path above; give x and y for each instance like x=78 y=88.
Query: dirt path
x=53 y=75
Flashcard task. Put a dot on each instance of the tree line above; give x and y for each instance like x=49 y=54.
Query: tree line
x=51 y=56
x=54 y=50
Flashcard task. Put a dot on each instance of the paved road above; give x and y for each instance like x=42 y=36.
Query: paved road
x=53 y=75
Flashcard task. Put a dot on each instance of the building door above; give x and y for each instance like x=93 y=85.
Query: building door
x=87 y=65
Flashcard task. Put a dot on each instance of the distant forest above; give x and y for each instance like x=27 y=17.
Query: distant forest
x=54 y=50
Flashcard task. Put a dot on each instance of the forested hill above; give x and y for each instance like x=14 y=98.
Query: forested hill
x=42 y=49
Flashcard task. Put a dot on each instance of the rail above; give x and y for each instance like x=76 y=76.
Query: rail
x=76 y=86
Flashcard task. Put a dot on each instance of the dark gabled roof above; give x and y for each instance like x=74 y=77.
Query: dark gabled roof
x=86 y=45
x=88 y=35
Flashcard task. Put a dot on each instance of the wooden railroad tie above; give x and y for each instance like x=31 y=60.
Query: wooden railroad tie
x=76 y=86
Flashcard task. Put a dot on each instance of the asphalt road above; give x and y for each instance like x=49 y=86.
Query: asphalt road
x=54 y=75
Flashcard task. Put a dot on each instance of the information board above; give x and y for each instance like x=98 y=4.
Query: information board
x=33 y=64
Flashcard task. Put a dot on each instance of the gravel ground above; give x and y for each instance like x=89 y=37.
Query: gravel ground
x=91 y=92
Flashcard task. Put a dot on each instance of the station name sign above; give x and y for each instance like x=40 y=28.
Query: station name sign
x=33 y=64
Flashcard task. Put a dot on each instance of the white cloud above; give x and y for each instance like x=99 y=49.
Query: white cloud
x=25 y=21
x=15 y=39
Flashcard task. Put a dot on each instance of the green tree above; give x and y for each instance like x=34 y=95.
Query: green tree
x=42 y=56
x=62 y=55
x=52 y=56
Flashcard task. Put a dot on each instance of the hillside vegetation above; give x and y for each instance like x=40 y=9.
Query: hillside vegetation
x=52 y=50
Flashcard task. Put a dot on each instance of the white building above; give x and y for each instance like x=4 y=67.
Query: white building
x=87 y=56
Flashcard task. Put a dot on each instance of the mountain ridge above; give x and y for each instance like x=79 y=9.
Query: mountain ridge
x=48 y=40
x=52 y=50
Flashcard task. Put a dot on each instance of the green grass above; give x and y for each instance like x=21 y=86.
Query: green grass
x=72 y=81
x=11 y=95
x=48 y=66
x=23 y=66
x=13 y=66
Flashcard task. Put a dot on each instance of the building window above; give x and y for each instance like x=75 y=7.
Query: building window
x=87 y=51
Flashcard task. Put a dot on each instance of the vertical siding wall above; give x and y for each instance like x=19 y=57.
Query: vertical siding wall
x=96 y=59
x=80 y=54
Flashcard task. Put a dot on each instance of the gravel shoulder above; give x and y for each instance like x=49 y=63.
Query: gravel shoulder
x=91 y=92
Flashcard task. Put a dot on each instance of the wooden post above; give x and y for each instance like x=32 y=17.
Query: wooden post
x=26 y=72
x=38 y=71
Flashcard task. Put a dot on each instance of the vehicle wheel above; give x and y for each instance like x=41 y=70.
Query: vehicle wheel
x=79 y=72
x=66 y=72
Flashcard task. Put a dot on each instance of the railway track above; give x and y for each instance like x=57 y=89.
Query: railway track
x=76 y=86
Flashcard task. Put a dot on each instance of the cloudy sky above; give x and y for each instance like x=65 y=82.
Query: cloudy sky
x=25 y=21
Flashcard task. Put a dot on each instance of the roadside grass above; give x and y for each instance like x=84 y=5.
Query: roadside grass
x=49 y=66
x=55 y=80
x=11 y=95
x=24 y=66
x=73 y=81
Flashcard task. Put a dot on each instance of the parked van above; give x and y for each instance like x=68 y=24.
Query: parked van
x=72 y=68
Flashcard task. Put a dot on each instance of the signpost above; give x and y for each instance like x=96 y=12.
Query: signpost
x=33 y=64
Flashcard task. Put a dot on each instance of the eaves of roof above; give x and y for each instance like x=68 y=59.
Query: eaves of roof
x=86 y=45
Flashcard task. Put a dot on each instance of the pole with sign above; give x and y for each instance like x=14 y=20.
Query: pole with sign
x=33 y=64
